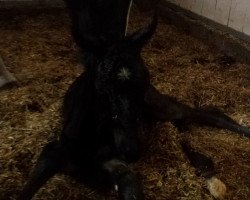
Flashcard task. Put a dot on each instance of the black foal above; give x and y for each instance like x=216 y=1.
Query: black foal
x=103 y=112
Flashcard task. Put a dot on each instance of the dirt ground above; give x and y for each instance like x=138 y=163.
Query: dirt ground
x=38 y=49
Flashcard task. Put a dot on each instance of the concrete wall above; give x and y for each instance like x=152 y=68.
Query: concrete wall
x=232 y=13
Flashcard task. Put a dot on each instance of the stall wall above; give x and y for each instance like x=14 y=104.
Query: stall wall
x=232 y=13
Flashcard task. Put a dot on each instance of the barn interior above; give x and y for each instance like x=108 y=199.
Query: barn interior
x=37 y=48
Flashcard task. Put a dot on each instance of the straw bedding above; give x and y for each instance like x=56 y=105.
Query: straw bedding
x=38 y=49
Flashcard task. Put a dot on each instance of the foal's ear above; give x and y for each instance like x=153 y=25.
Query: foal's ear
x=142 y=36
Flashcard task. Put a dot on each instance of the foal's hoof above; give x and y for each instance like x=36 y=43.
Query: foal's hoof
x=216 y=187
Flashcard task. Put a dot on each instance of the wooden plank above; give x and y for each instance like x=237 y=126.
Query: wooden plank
x=237 y=14
x=246 y=26
x=233 y=43
x=187 y=4
x=222 y=11
x=208 y=9
x=196 y=6
x=179 y=2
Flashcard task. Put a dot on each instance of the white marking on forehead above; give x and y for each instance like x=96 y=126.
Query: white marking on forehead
x=124 y=74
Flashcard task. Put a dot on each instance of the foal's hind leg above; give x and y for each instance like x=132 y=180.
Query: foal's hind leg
x=48 y=164
x=124 y=180
x=163 y=107
x=205 y=167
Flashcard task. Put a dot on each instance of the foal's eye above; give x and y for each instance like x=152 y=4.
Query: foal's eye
x=124 y=74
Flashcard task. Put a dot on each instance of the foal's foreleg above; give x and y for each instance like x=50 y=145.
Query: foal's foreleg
x=48 y=164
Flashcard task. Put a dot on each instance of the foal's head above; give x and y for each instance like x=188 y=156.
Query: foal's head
x=122 y=79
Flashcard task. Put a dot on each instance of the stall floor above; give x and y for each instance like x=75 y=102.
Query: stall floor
x=37 y=48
